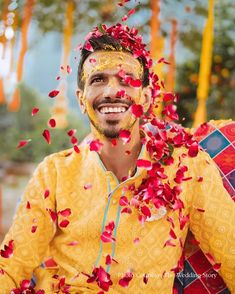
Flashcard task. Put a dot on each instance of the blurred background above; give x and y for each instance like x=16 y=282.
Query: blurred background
x=39 y=52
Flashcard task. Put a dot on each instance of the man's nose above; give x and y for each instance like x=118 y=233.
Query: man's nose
x=111 y=88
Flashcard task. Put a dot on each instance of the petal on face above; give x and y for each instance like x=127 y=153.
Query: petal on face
x=96 y=145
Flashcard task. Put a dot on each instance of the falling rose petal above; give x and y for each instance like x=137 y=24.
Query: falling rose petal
x=170 y=219
x=200 y=179
x=124 y=282
x=52 y=123
x=125 y=135
x=169 y=243
x=136 y=240
x=137 y=110
x=123 y=201
x=64 y=223
x=28 y=206
x=7 y=252
x=71 y=132
x=62 y=68
x=125 y=17
x=53 y=214
x=76 y=149
x=40 y=292
x=107 y=237
x=126 y=210
x=25 y=284
x=142 y=163
x=216 y=267
x=50 y=262
x=131 y=12
x=58 y=78
x=46 y=193
x=22 y=143
x=136 y=83
x=122 y=3
x=88 y=47
x=73 y=243
x=108 y=260
x=73 y=140
x=127 y=152
x=183 y=221
x=95 y=145
x=65 y=213
x=145 y=279
x=87 y=186
x=53 y=93
x=46 y=134
x=167 y=97
x=172 y=234
x=69 y=69
x=35 y=110
x=146 y=211
x=33 y=229
x=193 y=149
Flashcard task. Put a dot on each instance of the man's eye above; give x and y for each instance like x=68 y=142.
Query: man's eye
x=97 y=80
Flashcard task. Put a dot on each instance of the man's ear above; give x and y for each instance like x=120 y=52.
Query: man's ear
x=146 y=98
x=81 y=101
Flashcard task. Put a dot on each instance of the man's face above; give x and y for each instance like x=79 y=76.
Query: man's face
x=108 y=111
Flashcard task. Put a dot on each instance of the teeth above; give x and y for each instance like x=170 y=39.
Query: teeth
x=112 y=109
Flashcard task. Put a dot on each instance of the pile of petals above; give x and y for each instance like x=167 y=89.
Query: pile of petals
x=26 y=288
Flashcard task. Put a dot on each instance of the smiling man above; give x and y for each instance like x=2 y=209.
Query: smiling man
x=113 y=213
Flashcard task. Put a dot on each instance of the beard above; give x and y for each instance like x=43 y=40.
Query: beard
x=112 y=130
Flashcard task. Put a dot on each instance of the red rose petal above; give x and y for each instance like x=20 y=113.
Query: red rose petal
x=136 y=240
x=216 y=267
x=169 y=243
x=95 y=145
x=92 y=60
x=28 y=206
x=46 y=134
x=88 y=47
x=137 y=110
x=87 y=186
x=52 y=123
x=76 y=149
x=136 y=83
x=22 y=143
x=65 y=213
x=120 y=93
x=74 y=140
x=35 y=110
x=125 y=135
x=114 y=142
x=64 y=223
x=172 y=234
x=33 y=229
x=53 y=214
x=124 y=282
x=69 y=69
x=142 y=163
x=126 y=210
x=200 y=179
x=145 y=279
x=7 y=252
x=146 y=211
x=53 y=93
x=46 y=193
x=108 y=260
x=123 y=201
x=71 y=132
x=107 y=237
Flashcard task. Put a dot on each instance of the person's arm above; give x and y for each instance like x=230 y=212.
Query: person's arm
x=32 y=228
x=215 y=227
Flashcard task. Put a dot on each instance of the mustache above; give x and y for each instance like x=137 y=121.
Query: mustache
x=128 y=102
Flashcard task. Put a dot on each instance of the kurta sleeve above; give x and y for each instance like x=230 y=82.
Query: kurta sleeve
x=32 y=228
x=212 y=217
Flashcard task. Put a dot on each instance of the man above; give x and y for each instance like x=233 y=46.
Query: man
x=113 y=215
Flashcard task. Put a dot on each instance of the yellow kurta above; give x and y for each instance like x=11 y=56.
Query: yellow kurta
x=92 y=209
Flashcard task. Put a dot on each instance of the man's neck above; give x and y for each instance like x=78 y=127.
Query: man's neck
x=121 y=158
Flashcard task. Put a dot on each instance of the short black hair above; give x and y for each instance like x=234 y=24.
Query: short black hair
x=106 y=42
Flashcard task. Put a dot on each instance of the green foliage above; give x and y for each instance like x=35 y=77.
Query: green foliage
x=21 y=125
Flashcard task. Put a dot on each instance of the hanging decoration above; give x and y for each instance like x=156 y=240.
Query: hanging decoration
x=14 y=104
x=157 y=44
x=205 y=67
x=171 y=68
x=60 y=108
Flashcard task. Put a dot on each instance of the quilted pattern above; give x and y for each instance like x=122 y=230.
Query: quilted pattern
x=198 y=276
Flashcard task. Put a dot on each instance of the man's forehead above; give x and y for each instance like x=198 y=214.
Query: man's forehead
x=103 y=60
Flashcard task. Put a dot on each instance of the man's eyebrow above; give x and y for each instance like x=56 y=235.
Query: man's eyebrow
x=96 y=75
